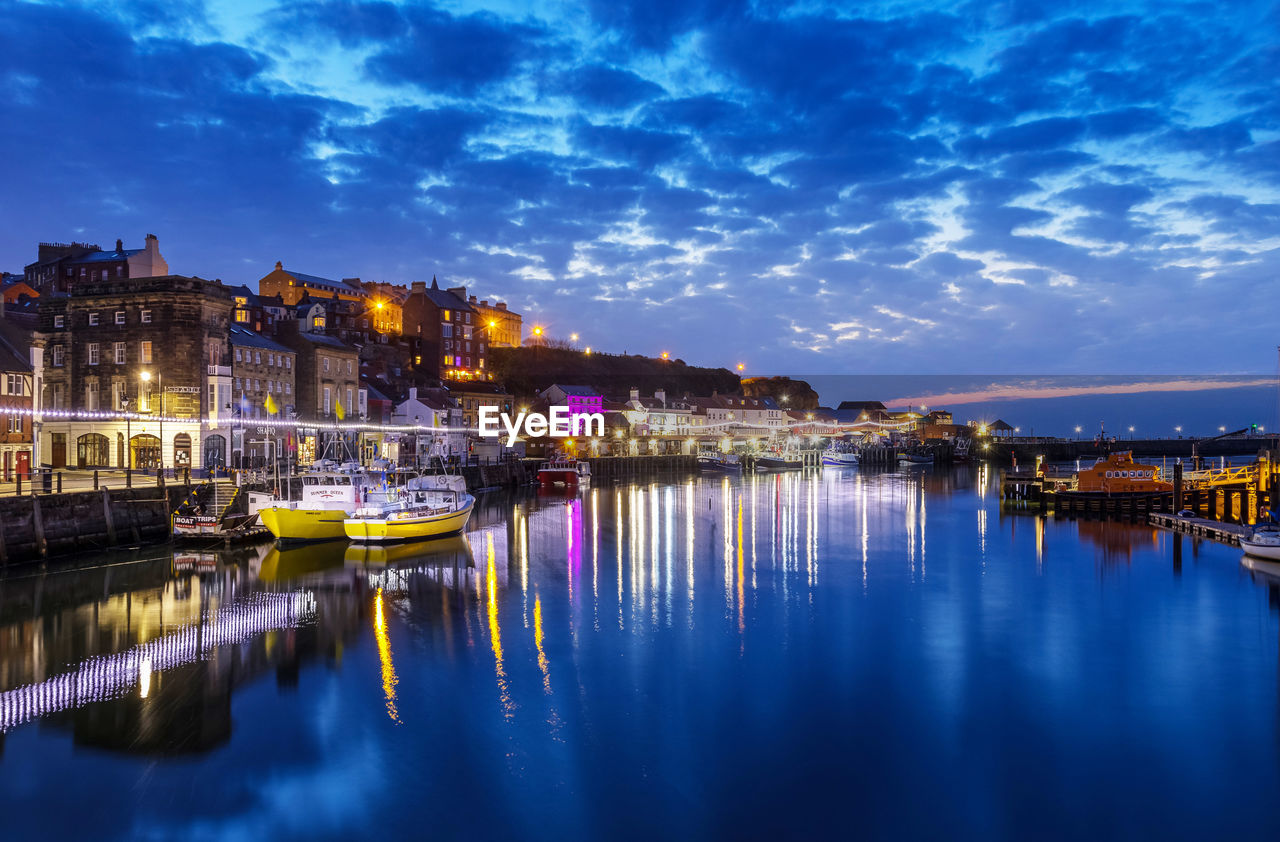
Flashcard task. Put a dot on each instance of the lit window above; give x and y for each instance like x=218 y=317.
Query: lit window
x=145 y=352
x=242 y=315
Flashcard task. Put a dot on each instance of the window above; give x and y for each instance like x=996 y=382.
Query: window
x=349 y=369
x=117 y=395
x=327 y=403
x=467 y=317
x=448 y=359
x=119 y=317
x=146 y=317
x=93 y=317
x=238 y=386
x=120 y=354
x=350 y=404
x=91 y=395
x=446 y=330
x=257 y=358
x=144 y=353
x=325 y=365
x=417 y=360
x=93 y=353
x=239 y=355
x=57 y=354
x=59 y=321
x=287 y=388
x=447 y=315
x=242 y=315
x=271 y=359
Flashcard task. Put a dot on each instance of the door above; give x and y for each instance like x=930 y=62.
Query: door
x=24 y=464
x=59 y=450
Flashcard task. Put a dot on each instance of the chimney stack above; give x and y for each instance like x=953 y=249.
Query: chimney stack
x=119 y=245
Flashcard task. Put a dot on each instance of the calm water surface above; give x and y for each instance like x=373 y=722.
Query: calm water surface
x=853 y=654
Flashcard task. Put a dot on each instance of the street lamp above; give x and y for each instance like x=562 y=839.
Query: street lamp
x=146 y=379
x=666 y=355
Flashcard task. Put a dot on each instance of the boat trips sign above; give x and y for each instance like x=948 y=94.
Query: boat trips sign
x=558 y=422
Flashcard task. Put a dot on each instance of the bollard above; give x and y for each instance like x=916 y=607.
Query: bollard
x=95 y=480
x=59 y=482
x=128 y=478
x=17 y=492
x=186 y=476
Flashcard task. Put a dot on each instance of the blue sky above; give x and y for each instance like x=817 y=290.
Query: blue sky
x=804 y=187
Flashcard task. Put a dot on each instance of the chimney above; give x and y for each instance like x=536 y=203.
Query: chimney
x=417 y=287
x=153 y=244
x=119 y=245
x=279 y=266
x=413 y=393
x=635 y=393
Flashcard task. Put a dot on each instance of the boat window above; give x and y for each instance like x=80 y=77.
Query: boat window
x=1108 y=475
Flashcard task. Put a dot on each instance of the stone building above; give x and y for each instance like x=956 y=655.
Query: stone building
x=154 y=348
x=261 y=368
x=326 y=387
x=499 y=326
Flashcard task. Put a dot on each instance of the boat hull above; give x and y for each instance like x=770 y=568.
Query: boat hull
x=386 y=529
x=716 y=466
x=838 y=461
x=1270 y=552
x=769 y=463
x=303 y=524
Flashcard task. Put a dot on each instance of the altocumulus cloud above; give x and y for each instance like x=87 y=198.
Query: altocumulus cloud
x=819 y=188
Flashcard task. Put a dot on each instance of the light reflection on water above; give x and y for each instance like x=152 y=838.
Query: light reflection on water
x=769 y=654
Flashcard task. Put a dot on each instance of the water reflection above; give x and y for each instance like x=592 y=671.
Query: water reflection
x=788 y=605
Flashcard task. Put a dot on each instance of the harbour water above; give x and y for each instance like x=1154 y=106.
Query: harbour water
x=845 y=653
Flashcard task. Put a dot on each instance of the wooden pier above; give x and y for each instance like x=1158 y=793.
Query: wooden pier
x=1225 y=533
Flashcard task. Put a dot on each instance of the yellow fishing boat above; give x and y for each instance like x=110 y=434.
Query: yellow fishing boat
x=329 y=494
x=427 y=507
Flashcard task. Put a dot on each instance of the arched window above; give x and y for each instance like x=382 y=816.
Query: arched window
x=93 y=450
x=182 y=450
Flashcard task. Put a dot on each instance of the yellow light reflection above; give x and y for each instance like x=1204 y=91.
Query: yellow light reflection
x=389 y=679
x=537 y=641
x=495 y=633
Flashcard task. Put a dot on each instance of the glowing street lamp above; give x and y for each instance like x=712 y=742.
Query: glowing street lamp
x=573 y=337
x=741 y=368
x=666 y=355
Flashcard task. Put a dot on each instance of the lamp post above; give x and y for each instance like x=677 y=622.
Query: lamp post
x=146 y=379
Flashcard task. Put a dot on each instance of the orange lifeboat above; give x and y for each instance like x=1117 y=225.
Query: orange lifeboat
x=1119 y=474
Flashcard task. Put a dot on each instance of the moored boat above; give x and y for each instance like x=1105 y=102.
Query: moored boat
x=840 y=456
x=778 y=462
x=1119 y=474
x=329 y=494
x=716 y=462
x=1263 y=542
x=570 y=472
x=426 y=507
x=914 y=458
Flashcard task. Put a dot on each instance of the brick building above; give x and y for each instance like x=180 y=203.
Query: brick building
x=153 y=346
x=444 y=336
x=291 y=286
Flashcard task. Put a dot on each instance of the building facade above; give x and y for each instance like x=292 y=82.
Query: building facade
x=61 y=266
x=444 y=335
x=129 y=373
x=16 y=404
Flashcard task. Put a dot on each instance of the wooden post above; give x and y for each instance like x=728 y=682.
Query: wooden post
x=1177 y=486
x=95 y=480
x=37 y=521
x=107 y=518
x=59 y=482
